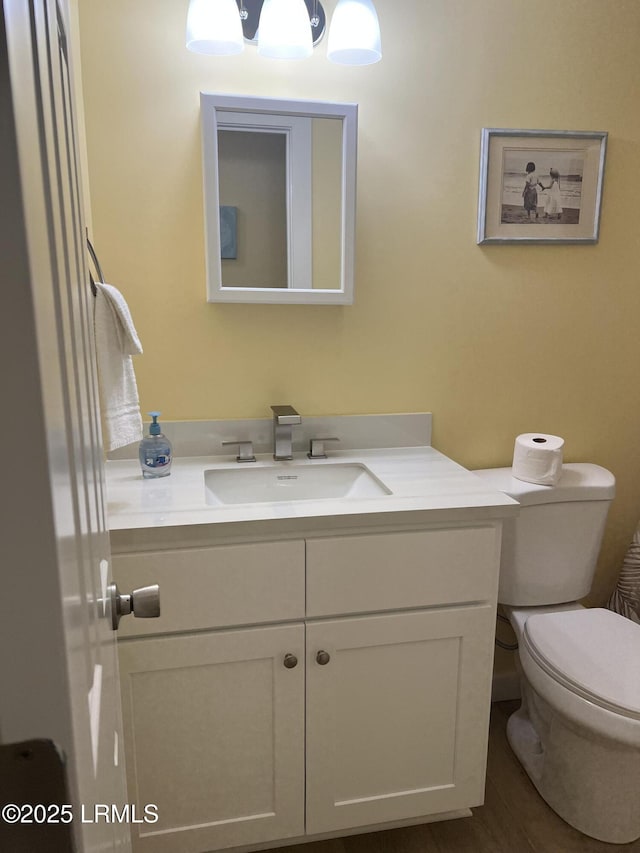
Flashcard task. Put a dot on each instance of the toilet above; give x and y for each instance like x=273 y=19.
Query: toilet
x=577 y=731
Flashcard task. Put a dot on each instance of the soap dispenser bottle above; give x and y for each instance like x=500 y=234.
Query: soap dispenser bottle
x=155 y=451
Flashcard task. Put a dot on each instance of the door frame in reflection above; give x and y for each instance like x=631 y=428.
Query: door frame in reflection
x=297 y=189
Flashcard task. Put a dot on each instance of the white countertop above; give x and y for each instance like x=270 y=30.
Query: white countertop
x=420 y=478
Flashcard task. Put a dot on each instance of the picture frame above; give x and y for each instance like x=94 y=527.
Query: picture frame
x=540 y=186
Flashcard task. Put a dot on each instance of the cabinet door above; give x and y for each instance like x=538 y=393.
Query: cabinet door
x=214 y=737
x=397 y=719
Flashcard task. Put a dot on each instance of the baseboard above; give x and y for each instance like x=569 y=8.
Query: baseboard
x=357 y=830
x=505 y=686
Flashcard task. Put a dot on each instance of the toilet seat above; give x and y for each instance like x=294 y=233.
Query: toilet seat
x=594 y=653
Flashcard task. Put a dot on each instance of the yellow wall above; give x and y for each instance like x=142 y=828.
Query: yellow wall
x=493 y=340
x=327 y=203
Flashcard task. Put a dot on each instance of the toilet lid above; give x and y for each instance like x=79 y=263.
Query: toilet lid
x=593 y=652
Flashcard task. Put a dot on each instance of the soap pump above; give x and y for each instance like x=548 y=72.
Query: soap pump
x=155 y=451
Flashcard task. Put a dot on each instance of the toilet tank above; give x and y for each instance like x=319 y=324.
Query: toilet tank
x=549 y=551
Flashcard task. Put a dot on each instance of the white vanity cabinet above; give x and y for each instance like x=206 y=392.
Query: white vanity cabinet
x=308 y=686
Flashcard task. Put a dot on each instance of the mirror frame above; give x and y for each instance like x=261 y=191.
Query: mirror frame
x=211 y=104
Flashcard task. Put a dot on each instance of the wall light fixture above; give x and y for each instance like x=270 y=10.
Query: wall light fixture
x=285 y=29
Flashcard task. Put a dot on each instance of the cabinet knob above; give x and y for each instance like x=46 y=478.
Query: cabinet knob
x=323 y=657
x=290 y=661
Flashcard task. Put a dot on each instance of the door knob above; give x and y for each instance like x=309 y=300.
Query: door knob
x=290 y=661
x=323 y=657
x=143 y=602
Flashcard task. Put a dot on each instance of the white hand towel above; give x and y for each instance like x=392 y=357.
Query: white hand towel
x=116 y=341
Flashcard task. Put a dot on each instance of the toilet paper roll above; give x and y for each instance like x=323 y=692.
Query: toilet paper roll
x=537 y=458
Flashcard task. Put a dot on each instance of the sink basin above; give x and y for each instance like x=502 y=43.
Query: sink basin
x=291 y=483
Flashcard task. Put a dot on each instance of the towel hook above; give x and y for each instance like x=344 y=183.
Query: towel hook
x=96 y=263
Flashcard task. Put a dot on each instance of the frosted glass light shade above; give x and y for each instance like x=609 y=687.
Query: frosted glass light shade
x=214 y=27
x=284 y=31
x=354 y=34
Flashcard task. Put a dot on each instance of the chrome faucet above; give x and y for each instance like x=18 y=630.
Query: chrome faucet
x=284 y=417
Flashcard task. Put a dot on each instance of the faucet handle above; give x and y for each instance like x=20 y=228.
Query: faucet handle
x=316 y=447
x=245 y=449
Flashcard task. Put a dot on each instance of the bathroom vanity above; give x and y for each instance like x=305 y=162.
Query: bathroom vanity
x=320 y=667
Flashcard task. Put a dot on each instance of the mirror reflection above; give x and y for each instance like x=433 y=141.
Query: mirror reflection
x=252 y=184
x=279 y=199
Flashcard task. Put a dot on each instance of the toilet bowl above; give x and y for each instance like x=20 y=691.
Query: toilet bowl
x=577 y=731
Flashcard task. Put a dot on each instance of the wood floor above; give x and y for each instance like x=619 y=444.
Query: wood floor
x=514 y=818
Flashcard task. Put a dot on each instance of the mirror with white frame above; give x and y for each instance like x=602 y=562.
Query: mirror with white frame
x=279 y=196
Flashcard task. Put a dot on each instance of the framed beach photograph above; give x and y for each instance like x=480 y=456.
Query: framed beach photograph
x=540 y=186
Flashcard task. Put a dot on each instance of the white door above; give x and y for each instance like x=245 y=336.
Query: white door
x=58 y=664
